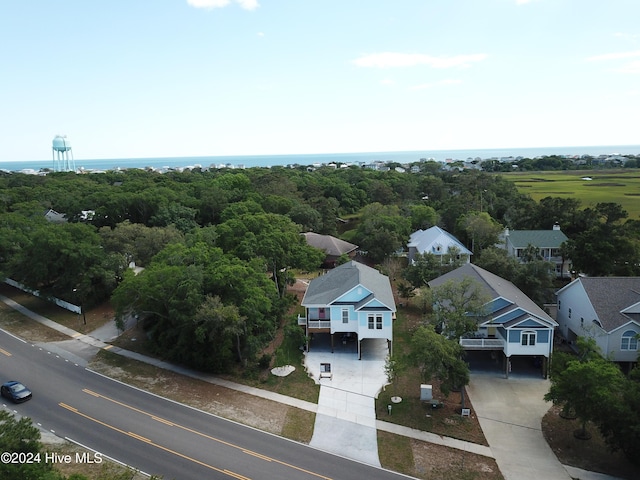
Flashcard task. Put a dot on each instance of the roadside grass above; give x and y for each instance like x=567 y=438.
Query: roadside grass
x=430 y=461
x=95 y=317
x=26 y=328
x=613 y=185
x=240 y=407
x=107 y=469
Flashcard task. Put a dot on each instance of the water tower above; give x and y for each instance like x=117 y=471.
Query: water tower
x=62 y=155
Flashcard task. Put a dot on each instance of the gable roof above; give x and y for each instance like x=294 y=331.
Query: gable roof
x=613 y=299
x=426 y=241
x=329 y=287
x=496 y=287
x=537 y=238
x=330 y=245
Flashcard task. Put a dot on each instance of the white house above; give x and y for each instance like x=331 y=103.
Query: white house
x=606 y=309
x=512 y=323
x=353 y=301
x=436 y=241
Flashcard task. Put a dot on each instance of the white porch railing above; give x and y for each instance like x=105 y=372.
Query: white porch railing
x=314 y=323
x=482 y=343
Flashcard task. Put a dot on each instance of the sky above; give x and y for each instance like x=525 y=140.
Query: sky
x=173 y=78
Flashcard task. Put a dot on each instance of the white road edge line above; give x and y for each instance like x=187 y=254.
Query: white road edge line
x=106 y=456
x=12 y=335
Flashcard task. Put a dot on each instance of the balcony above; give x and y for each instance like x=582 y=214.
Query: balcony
x=482 y=343
x=314 y=324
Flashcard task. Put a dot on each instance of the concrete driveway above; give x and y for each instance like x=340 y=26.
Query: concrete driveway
x=346 y=418
x=510 y=414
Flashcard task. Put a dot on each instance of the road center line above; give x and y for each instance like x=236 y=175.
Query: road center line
x=149 y=442
x=204 y=435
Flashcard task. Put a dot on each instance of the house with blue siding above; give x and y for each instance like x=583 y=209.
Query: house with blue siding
x=511 y=325
x=350 y=302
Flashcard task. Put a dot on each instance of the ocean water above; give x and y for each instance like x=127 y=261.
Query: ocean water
x=248 y=161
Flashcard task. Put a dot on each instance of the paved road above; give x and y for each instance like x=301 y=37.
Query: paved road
x=156 y=435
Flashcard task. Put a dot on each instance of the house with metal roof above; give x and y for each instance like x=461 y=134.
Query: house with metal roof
x=606 y=309
x=546 y=242
x=512 y=323
x=435 y=241
x=352 y=302
x=333 y=247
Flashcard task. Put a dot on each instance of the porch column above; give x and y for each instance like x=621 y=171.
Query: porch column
x=507 y=366
x=359 y=350
x=331 y=342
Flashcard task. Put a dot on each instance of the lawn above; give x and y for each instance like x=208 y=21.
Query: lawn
x=617 y=186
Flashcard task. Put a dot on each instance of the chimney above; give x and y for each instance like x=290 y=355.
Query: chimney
x=556 y=226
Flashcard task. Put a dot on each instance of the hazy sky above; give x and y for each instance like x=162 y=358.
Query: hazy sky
x=150 y=78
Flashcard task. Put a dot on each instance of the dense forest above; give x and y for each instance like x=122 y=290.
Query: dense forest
x=219 y=247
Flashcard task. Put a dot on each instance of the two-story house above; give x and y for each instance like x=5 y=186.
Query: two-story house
x=351 y=301
x=606 y=309
x=436 y=241
x=512 y=324
x=546 y=242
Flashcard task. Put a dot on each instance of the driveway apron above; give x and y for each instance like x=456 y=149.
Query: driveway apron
x=510 y=412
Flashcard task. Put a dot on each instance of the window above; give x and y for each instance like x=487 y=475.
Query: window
x=375 y=322
x=528 y=339
x=629 y=340
x=569 y=313
x=559 y=304
x=345 y=315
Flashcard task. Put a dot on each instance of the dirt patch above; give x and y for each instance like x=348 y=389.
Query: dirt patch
x=231 y=404
x=592 y=455
x=438 y=462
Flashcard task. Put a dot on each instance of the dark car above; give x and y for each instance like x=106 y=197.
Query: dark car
x=15 y=391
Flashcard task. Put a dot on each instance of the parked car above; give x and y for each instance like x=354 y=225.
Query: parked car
x=15 y=391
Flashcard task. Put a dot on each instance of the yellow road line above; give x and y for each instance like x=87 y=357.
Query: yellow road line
x=149 y=442
x=2 y=350
x=209 y=437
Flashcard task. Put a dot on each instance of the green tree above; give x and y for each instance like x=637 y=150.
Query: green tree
x=482 y=229
x=422 y=216
x=20 y=436
x=424 y=268
x=382 y=231
x=439 y=357
x=586 y=388
x=275 y=239
x=620 y=422
x=458 y=305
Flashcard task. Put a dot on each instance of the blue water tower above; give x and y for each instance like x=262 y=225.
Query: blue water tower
x=62 y=155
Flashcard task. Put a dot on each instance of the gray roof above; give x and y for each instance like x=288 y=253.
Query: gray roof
x=424 y=240
x=537 y=238
x=495 y=287
x=330 y=245
x=327 y=288
x=610 y=295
